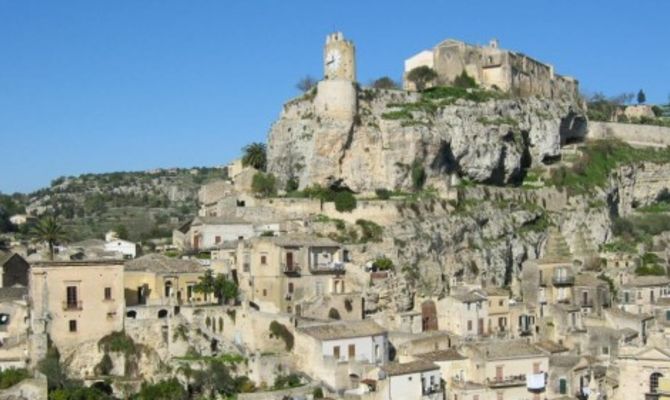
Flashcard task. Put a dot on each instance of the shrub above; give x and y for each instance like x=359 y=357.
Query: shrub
x=385 y=83
x=292 y=184
x=279 y=330
x=117 y=342
x=465 y=81
x=383 y=264
x=12 y=376
x=371 y=232
x=169 y=389
x=317 y=393
x=345 y=201
x=383 y=194
x=418 y=175
x=264 y=185
x=284 y=381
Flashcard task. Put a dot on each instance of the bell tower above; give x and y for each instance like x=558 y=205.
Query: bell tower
x=339 y=58
x=336 y=96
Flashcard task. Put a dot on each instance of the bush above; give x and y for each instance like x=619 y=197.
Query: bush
x=371 y=232
x=418 y=175
x=287 y=381
x=383 y=194
x=383 y=264
x=345 y=201
x=279 y=330
x=12 y=376
x=169 y=389
x=317 y=393
x=385 y=83
x=292 y=184
x=465 y=81
x=264 y=185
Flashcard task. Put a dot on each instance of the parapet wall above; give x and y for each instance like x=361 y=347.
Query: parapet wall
x=633 y=134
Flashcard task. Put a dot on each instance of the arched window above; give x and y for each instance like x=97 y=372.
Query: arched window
x=653 y=381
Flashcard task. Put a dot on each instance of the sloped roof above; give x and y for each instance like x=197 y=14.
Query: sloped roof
x=551 y=347
x=412 y=367
x=649 y=280
x=508 y=349
x=590 y=280
x=343 y=330
x=450 y=354
x=160 y=264
x=303 y=240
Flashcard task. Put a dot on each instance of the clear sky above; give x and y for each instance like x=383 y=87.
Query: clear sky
x=99 y=86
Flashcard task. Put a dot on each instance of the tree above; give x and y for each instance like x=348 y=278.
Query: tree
x=385 y=83
x=306 y=83
x=264 y=185
x=345 y=201
x=292 y=184
x=255 y=155
x=421 y=76
x=168 y=390
x=49 y=230
x=641 y=97
x=221 y=287
x=121 y=232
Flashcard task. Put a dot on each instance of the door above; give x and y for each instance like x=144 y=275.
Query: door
x=499 y=373
x=562 y=386
x=480 y=326
x=336 y=352
x=429 y=316
x=352 y=351
x=289 y=261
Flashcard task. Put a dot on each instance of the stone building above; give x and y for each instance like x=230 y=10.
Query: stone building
x=493 y=67
x=74 y=302
x=294 y=272
x=156 y=280
x=641 y=370
x=14 y=269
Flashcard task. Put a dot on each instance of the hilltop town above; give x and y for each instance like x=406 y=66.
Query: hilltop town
x=479 y=231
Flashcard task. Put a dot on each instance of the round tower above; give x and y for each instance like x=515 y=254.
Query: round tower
x=339 y=58
x=336 y=93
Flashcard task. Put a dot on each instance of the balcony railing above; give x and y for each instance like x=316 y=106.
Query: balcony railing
x=72 y=306
x=563 y=280
x=330 y=267
x=293 y=269
x=512 y=380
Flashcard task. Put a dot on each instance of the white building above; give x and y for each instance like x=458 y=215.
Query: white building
x=415 y=380
x=333 y=352
x=125 y=247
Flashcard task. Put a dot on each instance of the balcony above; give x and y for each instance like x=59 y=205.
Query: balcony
x=507 y=381
x=291 y=270
x=563 y=280
x=72 y=306
x=328 y=268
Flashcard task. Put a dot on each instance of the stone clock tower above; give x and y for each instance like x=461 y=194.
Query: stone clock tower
x=336 y=93
x=339 y=60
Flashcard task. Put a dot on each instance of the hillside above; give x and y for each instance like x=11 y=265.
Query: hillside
x=148 y=204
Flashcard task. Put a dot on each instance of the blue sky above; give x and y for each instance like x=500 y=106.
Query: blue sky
x=98 y=86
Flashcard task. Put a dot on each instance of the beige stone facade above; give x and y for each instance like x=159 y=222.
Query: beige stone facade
x=76 y=301
x=494 y=67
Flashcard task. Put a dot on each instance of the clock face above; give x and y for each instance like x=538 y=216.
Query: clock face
x=333 y=59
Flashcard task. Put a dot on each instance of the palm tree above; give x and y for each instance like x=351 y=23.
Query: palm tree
x=255 y=156
x=49 y=230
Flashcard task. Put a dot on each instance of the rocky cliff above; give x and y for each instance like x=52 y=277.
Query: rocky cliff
x=478 y=135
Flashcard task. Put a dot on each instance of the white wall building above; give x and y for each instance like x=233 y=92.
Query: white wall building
x=416 y=380
x=125 y=247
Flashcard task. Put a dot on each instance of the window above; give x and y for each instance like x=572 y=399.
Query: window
x=469 y=325
x=639 y=295
x=108 y=293
x=217 y=239
x=352 y=351
x=265 y=292
x=653 y=381
x=264 y=259
x=501 y=303
x=667 y=315
x=336 y=352
x=73 y=325
x=605 y=350
x=290 y=287
x=71 y=297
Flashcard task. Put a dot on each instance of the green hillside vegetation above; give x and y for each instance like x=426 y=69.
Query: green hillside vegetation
x=144 y=204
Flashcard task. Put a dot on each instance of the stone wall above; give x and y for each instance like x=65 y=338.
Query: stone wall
x=28 y=389
x=633 y=134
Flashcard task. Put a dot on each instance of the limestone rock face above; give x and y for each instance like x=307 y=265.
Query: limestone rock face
x=491 y=141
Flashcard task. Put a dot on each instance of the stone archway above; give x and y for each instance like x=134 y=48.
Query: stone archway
x=428 y=316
